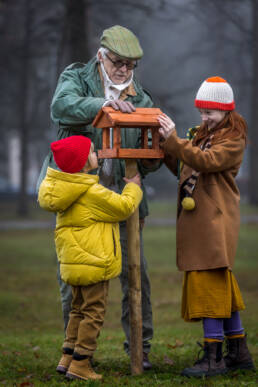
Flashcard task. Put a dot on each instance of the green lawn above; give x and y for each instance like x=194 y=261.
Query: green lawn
x=31 y=323
x=158 y=209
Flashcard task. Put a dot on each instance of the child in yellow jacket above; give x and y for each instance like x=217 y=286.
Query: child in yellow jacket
x=87 y=243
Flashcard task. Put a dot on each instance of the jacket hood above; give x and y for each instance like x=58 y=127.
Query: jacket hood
x=59 y=190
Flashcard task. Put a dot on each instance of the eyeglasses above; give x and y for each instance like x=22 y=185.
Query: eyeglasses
x=120 y=63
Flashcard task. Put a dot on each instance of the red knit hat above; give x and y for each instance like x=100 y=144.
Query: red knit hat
x=71 y=153
x=215 y=93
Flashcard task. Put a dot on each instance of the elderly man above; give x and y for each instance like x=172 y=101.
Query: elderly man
x=108 y=80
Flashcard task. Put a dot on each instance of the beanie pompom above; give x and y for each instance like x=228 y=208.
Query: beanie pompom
x=188 y=203
x=216 y=79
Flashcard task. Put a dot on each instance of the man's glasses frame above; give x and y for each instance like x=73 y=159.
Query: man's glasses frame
x=120 y=63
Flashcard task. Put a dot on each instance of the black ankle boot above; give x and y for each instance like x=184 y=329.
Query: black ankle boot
x=212 y=362
x=146 y=364
x=238 y=355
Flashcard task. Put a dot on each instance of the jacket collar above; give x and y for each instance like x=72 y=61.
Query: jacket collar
x=91 y=74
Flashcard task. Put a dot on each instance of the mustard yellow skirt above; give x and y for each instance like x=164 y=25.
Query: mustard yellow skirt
x=211 y=293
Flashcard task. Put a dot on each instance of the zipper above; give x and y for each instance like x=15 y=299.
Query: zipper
x=114 y=242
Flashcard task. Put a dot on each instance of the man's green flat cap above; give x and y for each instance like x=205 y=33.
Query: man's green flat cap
x=122 y=42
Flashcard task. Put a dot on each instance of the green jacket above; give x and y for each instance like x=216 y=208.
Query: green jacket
x=78 y=98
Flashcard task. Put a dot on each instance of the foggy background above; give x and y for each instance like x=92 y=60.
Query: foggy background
x=184 y=42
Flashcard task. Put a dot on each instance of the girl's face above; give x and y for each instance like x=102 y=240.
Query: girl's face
x=212 y=117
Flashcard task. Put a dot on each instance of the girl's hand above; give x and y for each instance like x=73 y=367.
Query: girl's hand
x=167 y=126
x=136 y=179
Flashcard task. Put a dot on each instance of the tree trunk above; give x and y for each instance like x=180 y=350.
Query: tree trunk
x=134 y=278
x=78 y=36
x=23 y=197
x=253 y=157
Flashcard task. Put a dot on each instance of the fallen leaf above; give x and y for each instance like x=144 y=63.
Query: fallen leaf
x=109 y=338
x=29 y=376
x=178 y=343
x=116 y=373
x=6 y=353
x=169 y=361
x=48 y=377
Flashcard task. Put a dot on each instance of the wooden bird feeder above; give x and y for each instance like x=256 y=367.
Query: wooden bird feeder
x=146 y=120
x=143 y=118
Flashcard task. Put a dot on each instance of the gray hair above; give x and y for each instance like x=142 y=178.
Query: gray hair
x=103 y=51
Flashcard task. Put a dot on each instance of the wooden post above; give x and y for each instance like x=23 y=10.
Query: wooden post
x=134 y=278
x=145 y=119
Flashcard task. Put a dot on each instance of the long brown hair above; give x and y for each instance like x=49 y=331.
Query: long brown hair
x=234 y=123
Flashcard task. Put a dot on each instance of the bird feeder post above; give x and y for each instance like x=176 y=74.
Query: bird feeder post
x=134 y=280
x=145 y=119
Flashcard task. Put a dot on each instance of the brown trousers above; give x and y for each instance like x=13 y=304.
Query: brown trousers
x=86 y=317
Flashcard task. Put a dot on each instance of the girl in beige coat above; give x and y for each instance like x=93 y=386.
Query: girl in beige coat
x=208 y=224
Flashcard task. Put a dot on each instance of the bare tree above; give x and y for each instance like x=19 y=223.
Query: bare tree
x=234 y=33
x=253 y=180
x=23 y=202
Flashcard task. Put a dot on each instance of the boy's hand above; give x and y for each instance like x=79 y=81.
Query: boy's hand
x=136 y=179
x=167 y=126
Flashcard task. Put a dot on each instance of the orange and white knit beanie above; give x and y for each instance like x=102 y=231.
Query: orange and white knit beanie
x=215 y=93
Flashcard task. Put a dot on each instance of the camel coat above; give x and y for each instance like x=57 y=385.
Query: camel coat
x=207 y=236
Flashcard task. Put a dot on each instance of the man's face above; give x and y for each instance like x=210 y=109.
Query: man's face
x=117 y=67
x=212 y=117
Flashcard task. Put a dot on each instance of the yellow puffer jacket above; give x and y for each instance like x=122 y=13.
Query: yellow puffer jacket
x=87 y=232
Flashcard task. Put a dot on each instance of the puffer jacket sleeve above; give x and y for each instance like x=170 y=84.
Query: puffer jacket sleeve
x=45 y=195
x=108 y=206
x=70 y=106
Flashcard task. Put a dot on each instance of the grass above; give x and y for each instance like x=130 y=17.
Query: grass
x=167 y=209
x=158 y=209
x=31 y=330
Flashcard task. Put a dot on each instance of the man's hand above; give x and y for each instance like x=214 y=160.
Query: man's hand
x=123 y=106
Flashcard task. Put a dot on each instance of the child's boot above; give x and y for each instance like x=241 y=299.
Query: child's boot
x=212 y=362
x=80 y=368
x=65 y=361
x=238 y=355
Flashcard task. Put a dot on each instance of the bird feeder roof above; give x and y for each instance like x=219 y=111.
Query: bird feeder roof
x=108 y=117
